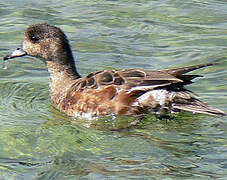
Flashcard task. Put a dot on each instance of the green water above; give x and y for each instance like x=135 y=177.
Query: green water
x=39 y=142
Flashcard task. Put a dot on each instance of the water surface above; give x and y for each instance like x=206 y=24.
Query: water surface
x=39 y=142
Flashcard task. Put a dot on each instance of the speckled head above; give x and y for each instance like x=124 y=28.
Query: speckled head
x=46 y=42
x=49 y=44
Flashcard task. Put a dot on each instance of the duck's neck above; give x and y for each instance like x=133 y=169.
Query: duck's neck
x=62 y=76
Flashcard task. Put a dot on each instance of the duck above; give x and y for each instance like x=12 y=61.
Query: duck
x=132 y=91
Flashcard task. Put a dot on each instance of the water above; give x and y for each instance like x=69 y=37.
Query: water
x=39 y=142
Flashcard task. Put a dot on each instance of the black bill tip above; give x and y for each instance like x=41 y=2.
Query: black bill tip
x=16 y=53
x=6 y=57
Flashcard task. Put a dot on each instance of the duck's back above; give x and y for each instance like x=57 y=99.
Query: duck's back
x=133 y=91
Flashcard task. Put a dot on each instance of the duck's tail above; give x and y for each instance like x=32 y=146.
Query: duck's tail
x=183 y=101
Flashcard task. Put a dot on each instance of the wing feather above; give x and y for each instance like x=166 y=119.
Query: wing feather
x=138 y=79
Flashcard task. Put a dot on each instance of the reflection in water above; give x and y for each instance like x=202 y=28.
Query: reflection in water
x=39 y=142
x=4 y=65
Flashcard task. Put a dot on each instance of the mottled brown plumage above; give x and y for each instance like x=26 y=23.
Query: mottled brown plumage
x=128 y=91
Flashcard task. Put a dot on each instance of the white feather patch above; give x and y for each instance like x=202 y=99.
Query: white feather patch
x=157 y=96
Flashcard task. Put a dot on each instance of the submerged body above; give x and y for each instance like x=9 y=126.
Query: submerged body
x=128 y=91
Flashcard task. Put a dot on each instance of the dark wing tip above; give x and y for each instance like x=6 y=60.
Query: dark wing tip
x=183 y=70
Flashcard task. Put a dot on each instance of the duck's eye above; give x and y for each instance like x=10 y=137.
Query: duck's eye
x=35 y=39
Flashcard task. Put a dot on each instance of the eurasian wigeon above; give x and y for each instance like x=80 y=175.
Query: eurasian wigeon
x=108 y=92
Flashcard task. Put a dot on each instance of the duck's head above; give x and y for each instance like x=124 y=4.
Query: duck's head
x=45 y=42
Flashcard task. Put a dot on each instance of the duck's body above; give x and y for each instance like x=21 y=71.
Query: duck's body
x=112 y=92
